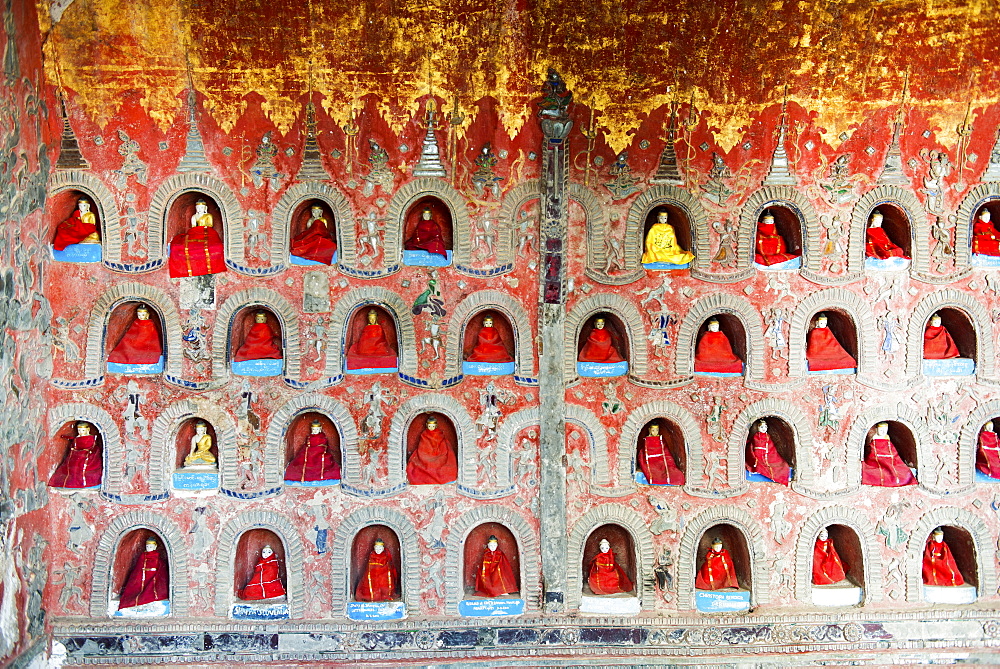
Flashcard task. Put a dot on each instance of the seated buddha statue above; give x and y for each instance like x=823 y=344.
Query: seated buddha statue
x=827 y=565
x=878 y=244
x=605 y=576
x=662 y=246
x=379 y=580
x=824 y=352
x=260 y=343
x=939 y=566
x=265 y=582
x=657 y=462
x=985 y=239
x=938 y=344
x=714 y=353
x=201 y=447
x=199 y=250
x=717 y=571
x=141 y=344
x=314 y=462
x=988 y=455
x=315 y=242
x=371 y=350
x=770 y=246
x=148 y=581
x=495 y=577
x=83 y=466
x=883 y=466
x=764 y=458
x=489 y=345
x=427 y=235
x=433 y=461
x=599 y=347
x=79 y=228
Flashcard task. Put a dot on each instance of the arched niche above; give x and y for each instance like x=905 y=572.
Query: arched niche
x=441 y=215
x=959 y=326
x=844 y=329
x=301 y=215
x=470 y=337
x=182 y=208
x=120 y=321
x=70 y=469
x=615 y=327
x=734 y=541
x=788 y=224
x=129 y=552
x=623 y=548
x=186 y=430
x=848 y=545
x=297 y=438
x=356 y=323
x=991 y=205
x=248 y=553
x=678 y=220
x=673 y=439
x=782 y=436
x=963 y=549
x=60 y=206
x=902 y=439
x=897 y=225
x=475 y=546
x=417 y=425
x=249 y=344
x=291 y=214
x=361 y=548
x=731 y=326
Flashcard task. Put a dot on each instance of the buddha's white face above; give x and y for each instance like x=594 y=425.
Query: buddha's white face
x=599 y=324
x=882 y=430
x=605 y=546
x=432 y=424
x=200 y=430
x=142 y=314
x=379 y=548
x=936 y=321
x=84 y=206
x=82 y=429
x=938 y=536
x=821 y=322
x=876 y=220
x=266 y=552
x=487 y=322
x=654 y=430
x=824 y=535
x=716 y=546
x=713 y=326
x=762 y=426
x=492 y=545
x=150 y=546
x=260 y=317
x=317 y=212
x=662 y=217
x=988 y=426
x=984 y=216
x=315 y=429
x=767 y=220
x=201 y=208
x=372 y=317
x=426 y=214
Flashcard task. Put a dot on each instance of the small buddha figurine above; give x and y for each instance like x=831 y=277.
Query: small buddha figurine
x=939 y=567
x=314 y=462
x=141 y=343
x=83 y=466
x=265 y=582
x=599 y=347
x=495 y=577
x=883 y=466
x=433 y=461
x=371 y=344
x=938 y=344
x=606 y=577
x=827 y=566
x=199 y=250
x=985 y=239
x=878 y=244
x=489 y=345
x=657 y=462
x=148 y=581
x=824 y=352
x=764 y=457
x=714 y=353
x=717 y=571
x=315 y=242
x=379 y=579
x=988 y=456
x=771 y=248
x=201 y=447
x=79 y=228
x=260 y=343
x=427 y=235
x=662 y=246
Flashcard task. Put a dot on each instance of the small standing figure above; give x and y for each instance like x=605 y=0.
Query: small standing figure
x=260 y=343
x=199 y=250
x=657 y=462
x=714 y=354
x=599 y=346
x=495 y=577
x=717 y=571
x=79 y=228
x=662 y=245
x=606 y=577
x=265 y=583
x=938 y=344
x=988 y=457
x=824 y=352
x=985 y=239
x=379 y=579
x=201 y=447
x=764 y=457
x=83 y=466
x=427 y=235
x=433 y=461
x=141 y=344
x=883 y=466
x=939 y=567
x=827 y=566
x=314 y=462
x=148 y=581
x=878 y=244
x=316 y=241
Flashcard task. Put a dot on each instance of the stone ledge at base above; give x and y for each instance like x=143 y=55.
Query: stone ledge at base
x=949 y=594
x=421 y=258
x=487 y=368
x=305 y=262
x=836 y=595
x=624 y=604
x=265 y=367
x=195 y=480
x=127 y=368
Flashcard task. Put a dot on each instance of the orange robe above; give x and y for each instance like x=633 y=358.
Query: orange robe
x=606 y=577
x=939 y=566
x=140 y=345
x=378 y=582
x=715 y=354
x=824 y=352
x=599 y=347
x=938 y=344
x=984 y=238
x=314 y=243
x=433 y=461
x=717 y=572
x=73 y=230
x=879 y=245
x=489 y=347
x=827 y=567
x=259 y=344
x=495 y=577
x=371 y=349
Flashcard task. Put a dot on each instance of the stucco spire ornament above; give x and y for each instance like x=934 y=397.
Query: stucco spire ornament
x=992 y=170
x=194 y=159
x=429 y=164
x=779 y=174
x=892 y=169
x=70 y=157
x=312 y=164
x=667 y=172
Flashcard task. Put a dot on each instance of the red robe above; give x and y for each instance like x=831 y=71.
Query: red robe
x=259 y=344
x=599 y=348
x=824 y=352
x=489 y=347
x=765 y=459
x=939 y=566
x=884 y=467
x=147 y=582
x=880 y=246
x=140 y=345
x=771 y=248
x=717 y=572
x=427 y=237
x=314 y=243
x=314 y=462
x=378 y=582
x=371 y=349
x=827 y=567
x=606 y=577
x=938 y=344
x=984 y=238
x=715 y=354
x=264 y=584
x=197 y=252
x=433 y=461
x=495 y=577
x=657 y=462
x=988 y=456
x=83 y=466
x=73 y=231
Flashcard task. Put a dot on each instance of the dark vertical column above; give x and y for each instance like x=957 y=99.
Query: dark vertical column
x=556 y=125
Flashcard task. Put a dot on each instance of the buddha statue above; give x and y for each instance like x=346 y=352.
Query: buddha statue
x=717 y=571
x=824 y=352
x=985 y=239
x=201 y=447
x=939 y=566
x=199 y=250
x=495 y=577
x=770 y=246
x=371 y=348
x=827 y=566
x=148 y=581
x=433 y=461
x=883 y=466
x=489 y=345
x=314 y=462
x=657 y=462
x=315 y=242
x=379 y=580
x=878 y=244
x=83 y=466
x=141 y=343
x=260 y=343
x=79 y=228
x=662 y=246
x=265 y=582
x=714 y=353
x=605 y=576
x=600 y=346
x=427 y=235
x=764 y=457
x=938 y=344
x=988 y=455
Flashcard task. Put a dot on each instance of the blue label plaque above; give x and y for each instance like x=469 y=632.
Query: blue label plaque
x=487 y=608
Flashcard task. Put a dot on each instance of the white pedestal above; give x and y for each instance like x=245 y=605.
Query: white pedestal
x=836 y=595
x=620 y=604
x=950 y=594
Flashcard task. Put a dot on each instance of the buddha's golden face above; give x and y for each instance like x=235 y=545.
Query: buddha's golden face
x=142 y=314
x=599 y=324
x=260 y=317
x=487 y=322
x=372 y=317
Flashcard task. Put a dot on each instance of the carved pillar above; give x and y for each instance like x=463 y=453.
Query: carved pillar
x=552 y=325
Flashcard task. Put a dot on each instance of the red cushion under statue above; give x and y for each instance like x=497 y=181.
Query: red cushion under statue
x=988 y=457
x=495 y=577
x=260 y=342
x=985 y=240
x=717 y=571
x=140 y=345
x=599 y=346
x=878 y=244
x=657 y=462
x=83 y=466
x=378 y=582
x=148 y=581
x=765 y=459
x=315 y=242
x=771 y=247
x=264 y=584
x=79 y=228
x=606 y=577
x=427 y=235
x=714 y=352
x=939 y=566
x=938 y=344
x=883 y=466
x=433 y=461
x=372 y=348
x=827 y=567
x=199 y=250
x=489 y=345
x=314 y=462
x=824 y=352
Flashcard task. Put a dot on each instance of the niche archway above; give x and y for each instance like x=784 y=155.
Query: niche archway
x=959 y=327
x=361 y=548
x=256 y=348
x=248 y=553
x=472 y=557
x=358 y=340
x=842 y=326
x=983 y=259
x=128 y=556
x=312 y=469
x=732 y=327
x=623 y=548
x=79 y=468
x=897 y=225
x=735 y=543
x=423 y=239
x=489 y=355
x=673 y=441
x=199 y=473
x=963 y=549
x=789 y=226
x=130 y=344
x=178 y=221
x=426 y=464
x=312 y=244
x=848 y=546
x=677 y=218
x=902 y=439
x=598 y=356
x=60 y=209
x=782 y=436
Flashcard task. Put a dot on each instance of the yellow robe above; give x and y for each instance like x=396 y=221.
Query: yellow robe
x=662 y=246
